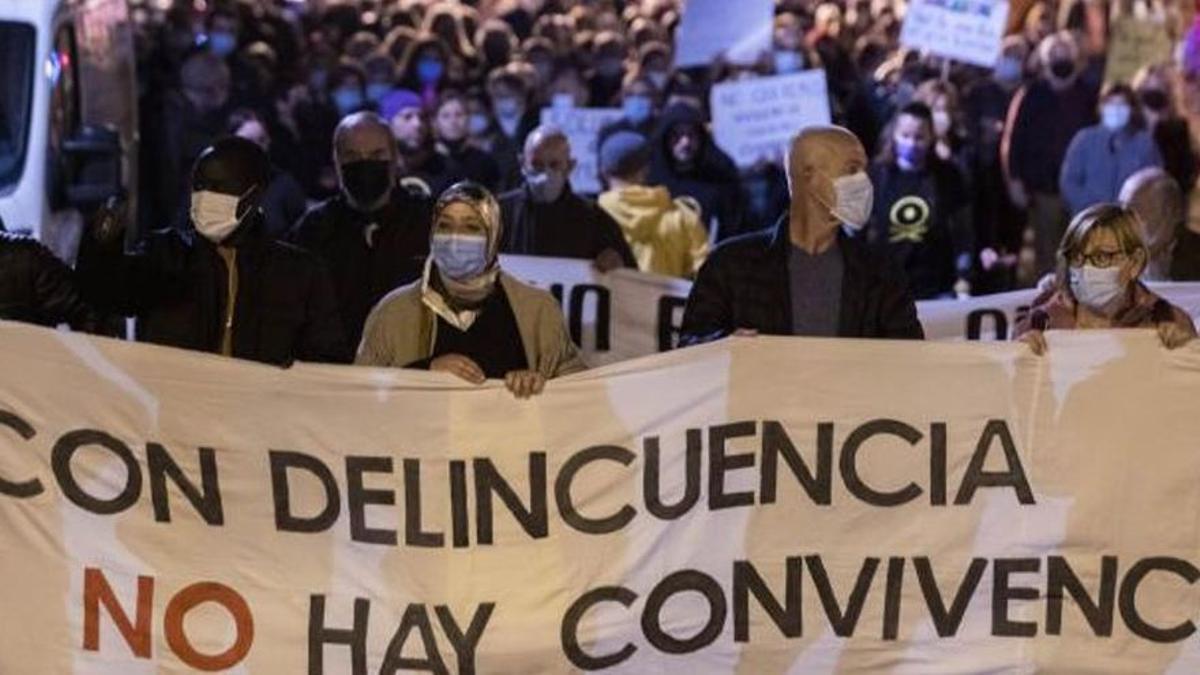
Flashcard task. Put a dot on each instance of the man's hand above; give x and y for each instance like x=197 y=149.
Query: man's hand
x=608 y=260
x=1172 y=335
x=525 y=383
x=1036 y=340
x=107 y=222
x=457 y=364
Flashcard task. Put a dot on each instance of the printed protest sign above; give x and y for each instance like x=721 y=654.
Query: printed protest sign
x=756 y=119
x=740 y=31
x=964 y=30
x=582 y=127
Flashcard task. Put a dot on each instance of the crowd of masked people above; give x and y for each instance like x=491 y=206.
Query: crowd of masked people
x=336 y=182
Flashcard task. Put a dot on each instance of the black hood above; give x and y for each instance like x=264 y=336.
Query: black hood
x=711 y=162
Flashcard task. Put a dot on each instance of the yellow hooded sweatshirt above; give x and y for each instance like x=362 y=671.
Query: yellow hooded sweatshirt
x=667 y=237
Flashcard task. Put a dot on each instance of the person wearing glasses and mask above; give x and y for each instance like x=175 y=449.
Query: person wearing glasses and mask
x=1097 y=286
x=466 y=316
x=810 y=275
x=221 y=285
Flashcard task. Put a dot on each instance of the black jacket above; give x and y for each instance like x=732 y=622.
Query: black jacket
x=1043 y=123
x=176 y=285
x=362 y=273
x=572 y=227
x=745 y=284
x=921 y=219
x=36 y=287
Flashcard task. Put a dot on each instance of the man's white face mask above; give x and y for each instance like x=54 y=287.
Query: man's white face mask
x=853 y=197
x=215 y=214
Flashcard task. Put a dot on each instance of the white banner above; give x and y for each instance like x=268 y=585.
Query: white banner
x=626 y=314
x=582 y=127
x=964 y=30
x=762 y=505
x=740 y=32
x=756 y=119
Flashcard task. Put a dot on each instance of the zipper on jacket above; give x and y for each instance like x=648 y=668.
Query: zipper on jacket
x=229 y=255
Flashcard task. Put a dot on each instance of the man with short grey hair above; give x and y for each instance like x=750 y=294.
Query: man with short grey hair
x=810 y=275
x=545 y=217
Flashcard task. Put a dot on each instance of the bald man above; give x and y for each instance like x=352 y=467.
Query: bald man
x=809 y=275
x=545 y=217
x=223 y=285
x=374 y=234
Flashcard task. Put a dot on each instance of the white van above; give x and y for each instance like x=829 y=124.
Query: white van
x=68 y=114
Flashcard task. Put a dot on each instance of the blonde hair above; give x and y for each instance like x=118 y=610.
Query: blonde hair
x=1123 y=222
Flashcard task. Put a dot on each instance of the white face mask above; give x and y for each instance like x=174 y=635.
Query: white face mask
x=853 y=198
x=215 y=214
x=1097 y=288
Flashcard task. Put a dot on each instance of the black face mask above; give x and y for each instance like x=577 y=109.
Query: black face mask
x=1154 y=99
x=1062 y=68
x=366 y=181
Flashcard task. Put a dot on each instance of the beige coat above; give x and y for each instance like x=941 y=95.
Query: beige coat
x=401 y=330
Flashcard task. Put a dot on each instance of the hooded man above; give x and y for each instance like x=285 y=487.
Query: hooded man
x=688 y=163
x=808 y=276
x=546 y=218
x=221 y=285
x=374 y=233
x=666 y=234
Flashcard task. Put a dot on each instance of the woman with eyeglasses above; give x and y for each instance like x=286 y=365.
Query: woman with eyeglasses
x=1097 y=285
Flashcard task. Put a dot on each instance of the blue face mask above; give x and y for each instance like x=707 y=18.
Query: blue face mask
x=478 y=124
x=637 y=109
x=1008 y=69
x=347 y=100
x=787 y=61
x=460 y=257
x=546 y=187
x=910 y=155
x=377 y=90
x=1115 y=116
x=509 y=108
x=222 y=43
x=429 y=71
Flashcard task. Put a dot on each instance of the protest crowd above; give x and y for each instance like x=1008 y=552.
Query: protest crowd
x=337 y=182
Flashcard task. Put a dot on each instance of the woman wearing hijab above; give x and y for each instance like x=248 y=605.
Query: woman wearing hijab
x=467 y=317
x=1099 y=263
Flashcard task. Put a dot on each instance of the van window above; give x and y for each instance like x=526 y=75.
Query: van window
x=17 y=43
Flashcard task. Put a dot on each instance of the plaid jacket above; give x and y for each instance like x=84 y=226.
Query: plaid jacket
x=744 y=284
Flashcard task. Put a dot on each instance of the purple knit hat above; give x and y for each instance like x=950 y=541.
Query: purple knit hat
x=396 y=101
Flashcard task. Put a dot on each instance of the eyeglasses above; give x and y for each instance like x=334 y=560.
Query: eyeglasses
x=1097 y=258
